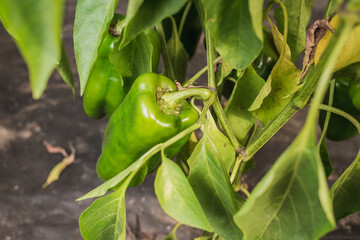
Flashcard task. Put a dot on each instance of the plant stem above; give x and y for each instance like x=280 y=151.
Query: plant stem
x=198 y=74
x=238 y=161
x=341 y=113
x=211 y=83
x=327 y=118
x=167 y=63
x=183 y=18
x=172 y=98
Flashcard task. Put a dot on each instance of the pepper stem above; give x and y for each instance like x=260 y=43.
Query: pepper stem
x=169 y=101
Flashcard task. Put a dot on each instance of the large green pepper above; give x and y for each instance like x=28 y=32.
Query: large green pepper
x=267 y=58
x=104 y=89
x=139 y=123
x=339 y=128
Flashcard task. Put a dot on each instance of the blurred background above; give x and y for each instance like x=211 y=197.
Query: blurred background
x=28 y=212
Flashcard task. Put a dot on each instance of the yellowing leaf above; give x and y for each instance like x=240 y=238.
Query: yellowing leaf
x=350 y=53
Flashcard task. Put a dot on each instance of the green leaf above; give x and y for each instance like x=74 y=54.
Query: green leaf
x=345 y=192
x=105 y=218
x=299 y=13
x=220 y=145
x=292 y=200
x=279 y=87
x=245 y=91
x=226 y=69
x=35 y=26
x=133 y=60
x=64 y=69
x=172 y=187
x=177 y=54
x=142 y=15
x=212 y=187
x=92 y=20
x=325 y=157
x=236 y=27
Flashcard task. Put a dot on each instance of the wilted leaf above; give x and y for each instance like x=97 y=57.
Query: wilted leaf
x=350 y=53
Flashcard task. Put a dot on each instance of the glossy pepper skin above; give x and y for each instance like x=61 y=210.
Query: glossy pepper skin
x=339 y=128
x=138 y=124
x=104 y=89
x=267 y=58
x=354 y=92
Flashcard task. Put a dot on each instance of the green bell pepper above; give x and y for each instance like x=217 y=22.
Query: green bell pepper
x=143 y=120
x=104 y=89
x=339 y=128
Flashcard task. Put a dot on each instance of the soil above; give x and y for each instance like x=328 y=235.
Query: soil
x=29 y=212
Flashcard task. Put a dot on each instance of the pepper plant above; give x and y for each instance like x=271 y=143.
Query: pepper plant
x=198 y=144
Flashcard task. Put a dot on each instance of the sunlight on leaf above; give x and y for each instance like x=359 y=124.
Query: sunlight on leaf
x=36 y=27
x=105 y=218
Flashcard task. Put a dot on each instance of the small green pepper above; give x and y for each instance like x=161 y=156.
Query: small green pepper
x=104 y=89
x=354 y=92
x=139 y=123
x=339 y=128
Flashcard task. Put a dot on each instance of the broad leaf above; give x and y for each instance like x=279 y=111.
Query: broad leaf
x=236 y=27
x=279 y=87
x=212 y=187
x=299 y=13
x=92 y=20
x=142 y=15
x=350 y=53
x=64 y=69
x=172 y=187
x=133 y=60
x=105 y=218
x=177 y=55
x=345 y=192
x=220 y=145
x=292 y=200
x=35 y=26
x=245 y=91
